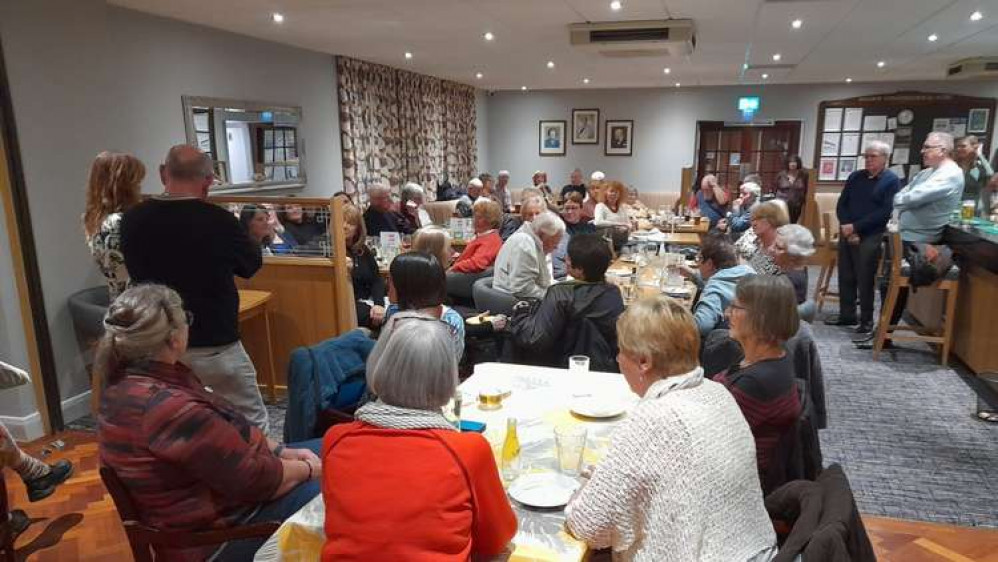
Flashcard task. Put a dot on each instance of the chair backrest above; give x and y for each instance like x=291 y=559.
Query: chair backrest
x=141 y=549
x=896 y=255
x=441 y=211
x=827 y=234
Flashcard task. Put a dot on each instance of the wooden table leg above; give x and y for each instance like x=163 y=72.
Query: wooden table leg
x=272 y=377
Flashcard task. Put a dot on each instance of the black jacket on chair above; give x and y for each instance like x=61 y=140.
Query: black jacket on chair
x=825 y=523
x=575 y=318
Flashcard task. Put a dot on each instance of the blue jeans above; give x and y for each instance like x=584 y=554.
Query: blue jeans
x=277 y=510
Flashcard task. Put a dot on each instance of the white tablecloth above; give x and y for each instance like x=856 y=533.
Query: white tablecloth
x=540 y=399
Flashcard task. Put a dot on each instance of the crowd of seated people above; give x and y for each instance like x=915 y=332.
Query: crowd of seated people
x=638 y=500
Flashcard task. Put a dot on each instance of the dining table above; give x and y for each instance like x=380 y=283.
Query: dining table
x=540 y=399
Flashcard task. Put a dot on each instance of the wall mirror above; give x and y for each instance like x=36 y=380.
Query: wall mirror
x=253 y=144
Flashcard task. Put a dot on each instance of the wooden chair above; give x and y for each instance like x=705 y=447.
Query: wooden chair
x=144 y=539
x=828 y=257
x=899 y=278
x=6 y=532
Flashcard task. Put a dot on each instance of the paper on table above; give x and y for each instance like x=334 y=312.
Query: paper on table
x=875 y=123
x=900 y=156
x=833 y=119
x=830 y=144
x=853 y=119
x=850 y=144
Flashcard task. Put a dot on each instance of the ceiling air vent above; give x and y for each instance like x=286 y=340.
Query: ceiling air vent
x=976 y=68
x=675 y=37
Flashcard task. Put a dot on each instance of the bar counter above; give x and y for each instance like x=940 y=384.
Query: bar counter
x=975 y=331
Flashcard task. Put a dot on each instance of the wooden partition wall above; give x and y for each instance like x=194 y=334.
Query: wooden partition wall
x=312 y=297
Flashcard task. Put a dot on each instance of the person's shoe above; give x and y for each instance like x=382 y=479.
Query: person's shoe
x=41 y=488
x=18 y=523
x=868 y=344
x=864 y=328
x=864 y=336
x=837 y=320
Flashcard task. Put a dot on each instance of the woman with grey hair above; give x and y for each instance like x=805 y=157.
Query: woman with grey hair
x=521 y=267
x=402 y=466
x=188 y=459
x=411 y=207
x=794 y=244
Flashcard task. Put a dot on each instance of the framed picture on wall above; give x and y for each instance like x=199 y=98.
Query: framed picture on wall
x=619 y=138
x=551 y=138
x=585 y=126
x=977 y=121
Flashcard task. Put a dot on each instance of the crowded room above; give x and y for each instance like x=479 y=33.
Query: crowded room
x=518 y=281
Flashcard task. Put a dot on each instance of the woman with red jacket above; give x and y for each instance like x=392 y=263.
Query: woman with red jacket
x=401 y=483
x=479 y=255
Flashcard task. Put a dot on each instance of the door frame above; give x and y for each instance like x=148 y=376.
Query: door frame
x=27 y=277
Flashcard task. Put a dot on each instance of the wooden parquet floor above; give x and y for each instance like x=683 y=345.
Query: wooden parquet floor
x=79 y=522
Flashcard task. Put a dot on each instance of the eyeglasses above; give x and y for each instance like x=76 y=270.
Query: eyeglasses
x=930 y=146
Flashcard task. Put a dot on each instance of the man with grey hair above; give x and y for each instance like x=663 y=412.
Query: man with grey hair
x=521 y=267
x=380 y=216
x=180 y=240
x=466 y=203
x=575 y=184
x=411 y=210
x=863 y=210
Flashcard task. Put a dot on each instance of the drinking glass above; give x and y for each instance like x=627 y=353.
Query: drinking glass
x=967 y=210
x=570 y=443
x=578 y=364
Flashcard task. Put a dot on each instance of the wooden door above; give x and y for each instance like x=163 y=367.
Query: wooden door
x=732 y=152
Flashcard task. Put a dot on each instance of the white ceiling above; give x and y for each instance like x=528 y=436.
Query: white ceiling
x=839 y=38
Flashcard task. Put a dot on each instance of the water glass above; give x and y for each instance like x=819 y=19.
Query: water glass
x=578 y=364
x=570 y=444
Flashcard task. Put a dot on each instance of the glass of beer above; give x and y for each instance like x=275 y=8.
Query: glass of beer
x=967 y=210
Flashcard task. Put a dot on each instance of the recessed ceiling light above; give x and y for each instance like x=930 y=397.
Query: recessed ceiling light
x=796 y=24
x=550 y=64
x=667 y=70
x=848 y=80
x=976 y=16
x=678 y=84
x=615 y=5
x=777 y=57
x=881 y=64
x=277 y=17
x=523 y=88
x=765 y=76
x=488 y=36
x=585 y=80
x=408 y=55
x=933 y=37
x=479 y=75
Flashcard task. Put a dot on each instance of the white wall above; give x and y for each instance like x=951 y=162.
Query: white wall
x=87 y=77
x=664 y=125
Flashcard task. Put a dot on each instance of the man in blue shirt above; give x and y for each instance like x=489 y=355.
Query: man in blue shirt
x=863 y=210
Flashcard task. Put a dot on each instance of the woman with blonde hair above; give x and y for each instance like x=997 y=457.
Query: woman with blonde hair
x=113 y=187
x=434 y=240
x=755 y=247
x=679 y=481
x=187 y=457
x=368 y=285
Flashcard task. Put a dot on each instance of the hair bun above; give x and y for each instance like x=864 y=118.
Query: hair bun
x=119 y=317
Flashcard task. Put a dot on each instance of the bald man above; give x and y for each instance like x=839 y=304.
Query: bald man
x=180 y=240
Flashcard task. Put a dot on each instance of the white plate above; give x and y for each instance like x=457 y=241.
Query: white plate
x=680 y=292
x=598 y=406
x=543 y=489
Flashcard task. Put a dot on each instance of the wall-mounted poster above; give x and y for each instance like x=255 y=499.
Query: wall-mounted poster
x=551 y=138
x=903 y=135
x=860 y=162
x=900 y=156
x=853 y=120
x=874 y=122
x=977 y=121
x=892 y=123
x=941 y=125
x=830 y=144
x=846 y=167
x=827 y=169
x=833 y=119
x=885 y=137
x=619 y=138
x=585 y=126
x=958 y=127
x=850 y=144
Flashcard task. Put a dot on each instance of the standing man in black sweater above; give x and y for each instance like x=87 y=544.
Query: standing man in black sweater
x=180 y=240
x=863 y=210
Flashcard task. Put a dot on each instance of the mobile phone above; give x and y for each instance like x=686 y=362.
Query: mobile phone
x=468 y=425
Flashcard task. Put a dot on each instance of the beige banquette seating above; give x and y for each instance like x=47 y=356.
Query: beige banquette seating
x=441 y=211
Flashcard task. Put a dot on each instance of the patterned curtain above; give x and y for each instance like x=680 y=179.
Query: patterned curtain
x=398 y=126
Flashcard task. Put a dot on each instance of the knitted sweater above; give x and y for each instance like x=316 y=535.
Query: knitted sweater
x=679 y=482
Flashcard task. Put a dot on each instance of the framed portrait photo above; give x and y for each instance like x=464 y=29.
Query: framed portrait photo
x=619 y=138
x=551 y=138
x=585 y=126
x=977 y=121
